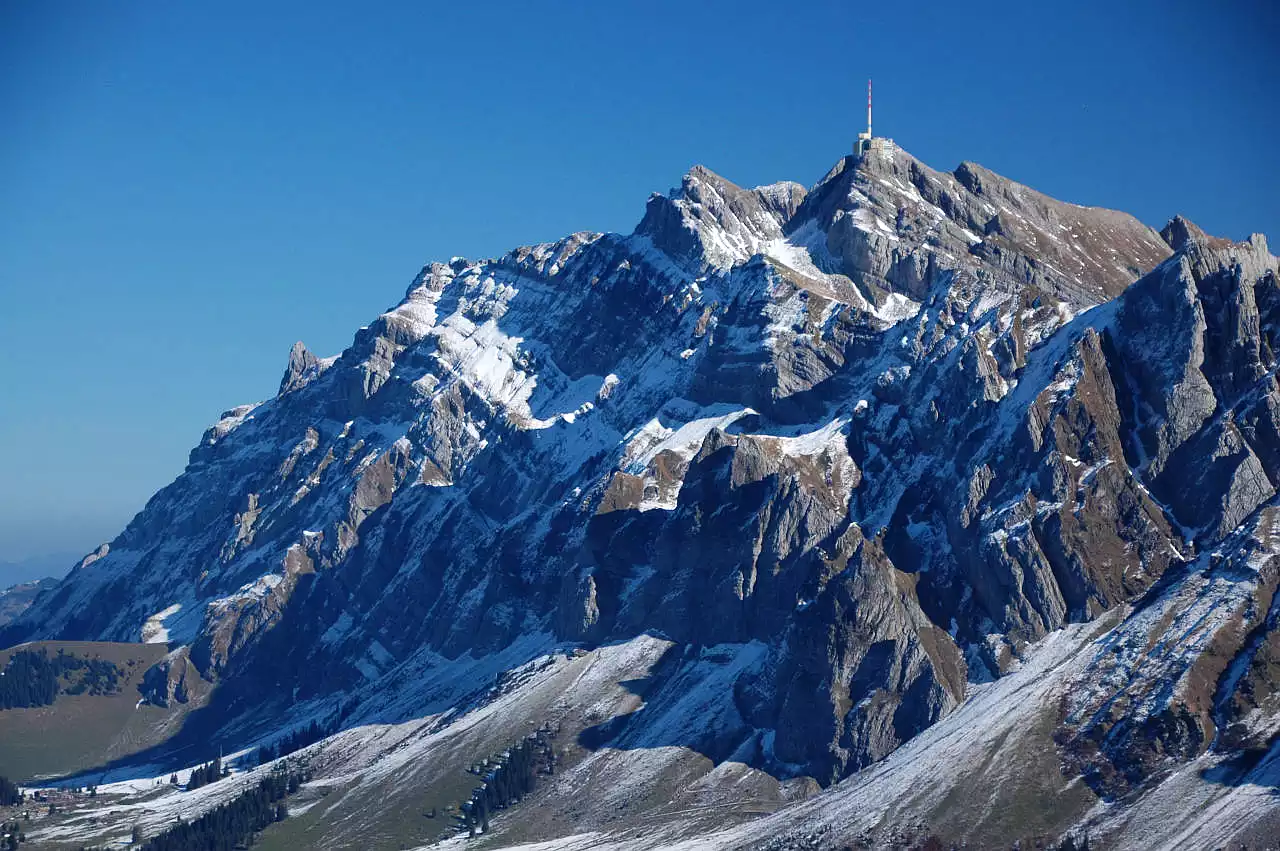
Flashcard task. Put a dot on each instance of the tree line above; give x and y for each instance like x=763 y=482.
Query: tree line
x=203 y=775
x=34 y=678
x=297 y=740
x=234 y=823
x=1070 y=842
x=508 y=777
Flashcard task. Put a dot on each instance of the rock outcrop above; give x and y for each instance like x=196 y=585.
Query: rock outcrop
x=894 y=429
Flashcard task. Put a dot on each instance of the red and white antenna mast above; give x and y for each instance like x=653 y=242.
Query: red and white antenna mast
x=863 y=144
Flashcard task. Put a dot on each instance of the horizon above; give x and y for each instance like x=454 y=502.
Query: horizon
x=189 y=192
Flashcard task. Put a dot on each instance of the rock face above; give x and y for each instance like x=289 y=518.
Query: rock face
x=894 y=429
x=303 y=367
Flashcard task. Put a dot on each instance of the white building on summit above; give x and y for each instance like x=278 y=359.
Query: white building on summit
x=867 y=143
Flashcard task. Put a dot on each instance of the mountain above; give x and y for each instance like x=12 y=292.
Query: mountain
x=15 y=599
x=35 y=567
x=913 y=481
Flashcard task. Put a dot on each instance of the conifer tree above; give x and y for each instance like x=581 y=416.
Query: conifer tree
x=10 y=794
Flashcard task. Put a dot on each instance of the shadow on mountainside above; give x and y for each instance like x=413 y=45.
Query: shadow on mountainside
x=687 y=696
x=1256 y=766
x=240 y=714
x=222 y=727
x=690 y=700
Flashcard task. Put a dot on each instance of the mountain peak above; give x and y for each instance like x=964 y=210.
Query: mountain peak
x=711 y=222
x=302 y=367
x=842 y=452
x=1181 y=230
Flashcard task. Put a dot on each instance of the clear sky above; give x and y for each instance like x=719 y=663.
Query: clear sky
x=186 y=189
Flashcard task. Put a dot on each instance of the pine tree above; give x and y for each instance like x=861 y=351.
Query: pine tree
x=10 y=794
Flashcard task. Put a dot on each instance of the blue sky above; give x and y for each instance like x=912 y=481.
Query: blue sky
x=186 y=189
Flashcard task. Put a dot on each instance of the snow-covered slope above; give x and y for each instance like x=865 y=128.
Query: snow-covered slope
x=878 y=441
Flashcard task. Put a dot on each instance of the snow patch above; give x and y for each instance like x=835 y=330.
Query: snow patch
x=154 y=630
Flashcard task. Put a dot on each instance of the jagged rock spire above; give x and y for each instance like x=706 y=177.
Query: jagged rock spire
x=303 y=366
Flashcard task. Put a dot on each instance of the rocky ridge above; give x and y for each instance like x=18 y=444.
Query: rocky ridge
x=15 y=599
x=891 y=432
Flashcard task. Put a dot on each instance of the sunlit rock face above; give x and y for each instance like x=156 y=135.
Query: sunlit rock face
x=890 y=431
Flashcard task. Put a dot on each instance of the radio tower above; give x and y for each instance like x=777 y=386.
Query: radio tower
x=864 y=139
x=868 y=107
